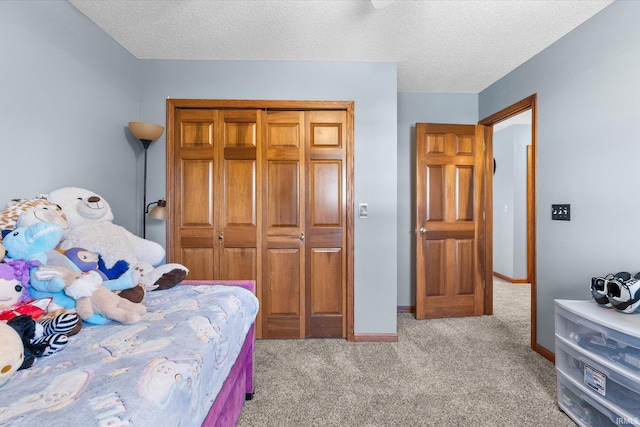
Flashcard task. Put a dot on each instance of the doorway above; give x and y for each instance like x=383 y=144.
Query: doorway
x=511 y=147
x=527 y=104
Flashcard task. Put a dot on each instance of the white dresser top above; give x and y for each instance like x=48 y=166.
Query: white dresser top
x=608 y=317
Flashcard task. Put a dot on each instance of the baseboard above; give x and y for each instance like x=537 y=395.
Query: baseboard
x=510 y=279
x=406 y=309
x=546 y=353
x=375 y=338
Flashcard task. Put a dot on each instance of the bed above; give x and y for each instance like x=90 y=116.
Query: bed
x=188 y=362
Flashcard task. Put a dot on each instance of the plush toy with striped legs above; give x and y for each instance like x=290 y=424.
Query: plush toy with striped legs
x=46 y=334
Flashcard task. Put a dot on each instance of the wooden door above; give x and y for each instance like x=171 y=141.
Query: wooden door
x=325 y=230
x=194 y=162
x=283 y=299
x=449 y=218
x=217 y=204
x=267 y=195
x=238 y=232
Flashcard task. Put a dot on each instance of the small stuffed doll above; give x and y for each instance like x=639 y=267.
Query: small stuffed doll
x=33 y=347
x=14 y=279
x=11 y=352
x=50 y=333
x=86 y=261
x=25 y=327
x=92 y=298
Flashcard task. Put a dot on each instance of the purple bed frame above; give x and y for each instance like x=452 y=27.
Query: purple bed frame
x=238 y=386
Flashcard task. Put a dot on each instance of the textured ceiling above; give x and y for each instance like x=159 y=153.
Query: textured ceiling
x=446 y=46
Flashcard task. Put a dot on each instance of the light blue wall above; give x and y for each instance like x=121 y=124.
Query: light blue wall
x=588 y=150
x=522 y=138
x=68 y=91
x=414 y=108
x=503 y=148
x=373 y=88
x=510 y=201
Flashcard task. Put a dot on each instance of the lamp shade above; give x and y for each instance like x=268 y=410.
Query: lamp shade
x=146 y=131
x=159 y=211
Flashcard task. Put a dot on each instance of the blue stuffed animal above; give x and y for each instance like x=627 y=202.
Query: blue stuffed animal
x=38 y=242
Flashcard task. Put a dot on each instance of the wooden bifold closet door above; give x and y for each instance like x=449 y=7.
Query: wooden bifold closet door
x=265 y=195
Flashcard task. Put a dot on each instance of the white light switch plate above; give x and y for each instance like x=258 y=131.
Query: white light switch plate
x=363 y=210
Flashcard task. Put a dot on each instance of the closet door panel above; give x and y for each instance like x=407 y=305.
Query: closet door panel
x=194 y=205
x=282 y=301
x=200 y=262
x=196 y=129
x=326 y=203
x=198 y=205
x=325 y=287
x=326 y=292
x=325 y=224
x=238 y=191
x=283 y=232
x=283 y=195
x=238 y=263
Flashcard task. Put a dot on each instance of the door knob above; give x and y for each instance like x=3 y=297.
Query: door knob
x=423 y=230
x=302 y=237
x=221 y=236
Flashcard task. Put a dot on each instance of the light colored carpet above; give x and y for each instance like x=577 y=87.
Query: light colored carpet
x=474 y=371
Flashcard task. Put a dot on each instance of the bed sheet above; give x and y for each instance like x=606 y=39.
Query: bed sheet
x=165 y=370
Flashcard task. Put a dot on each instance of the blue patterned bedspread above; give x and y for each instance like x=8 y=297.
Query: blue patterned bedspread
x=165 y=370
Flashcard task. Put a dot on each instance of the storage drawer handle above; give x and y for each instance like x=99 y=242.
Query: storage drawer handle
x=598 y=330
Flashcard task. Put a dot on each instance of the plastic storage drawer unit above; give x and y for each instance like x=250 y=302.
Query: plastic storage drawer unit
x=602 y=332
x=599 y=380
x=582 y=408
x=597 y=364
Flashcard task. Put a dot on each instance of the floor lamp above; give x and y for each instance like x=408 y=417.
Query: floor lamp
x=147 y=133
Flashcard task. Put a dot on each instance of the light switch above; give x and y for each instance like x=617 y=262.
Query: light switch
x=561 y=212
x=363 y=210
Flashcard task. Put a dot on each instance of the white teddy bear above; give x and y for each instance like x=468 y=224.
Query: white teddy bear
x=91 y=227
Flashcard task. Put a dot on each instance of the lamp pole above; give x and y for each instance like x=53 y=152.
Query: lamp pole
x=146 y=134
x=145 y=144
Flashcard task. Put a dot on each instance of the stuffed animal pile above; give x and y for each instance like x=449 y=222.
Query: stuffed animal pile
x=90 y=226
x=63 y=262
x=39 y=335
x=59 y=278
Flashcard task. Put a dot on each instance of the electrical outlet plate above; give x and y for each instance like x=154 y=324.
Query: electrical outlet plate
x=561 y=212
